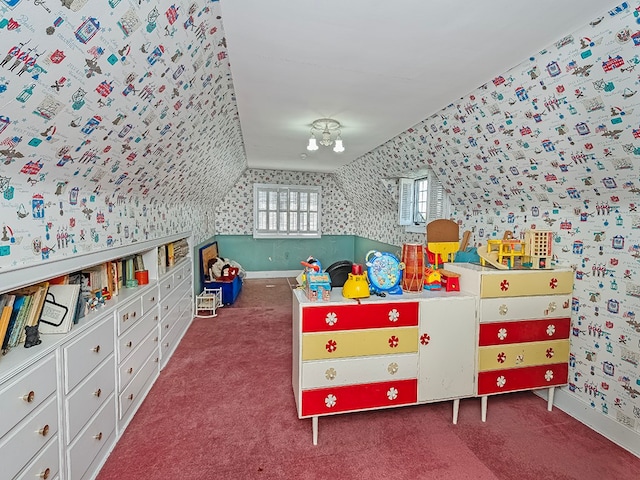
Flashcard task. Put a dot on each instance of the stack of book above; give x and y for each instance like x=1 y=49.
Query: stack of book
x=19 y=309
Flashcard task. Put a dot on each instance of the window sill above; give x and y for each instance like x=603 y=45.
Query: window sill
x=421 y=228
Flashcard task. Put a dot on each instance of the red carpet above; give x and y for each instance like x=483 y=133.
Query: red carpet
x=223 y=408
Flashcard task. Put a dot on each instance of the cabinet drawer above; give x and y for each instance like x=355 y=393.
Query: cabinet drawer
x=95 y=439
x=349 y=371
x=354 y=317
x=26 y=392
x=502 y=333
x=358 y=343
x=173 y=298
x=166 y=286
x=180 y=274
x=526 y=283
x=130 y=340
x=45 y=465
x=133 y=393
x=540 y=376
x=19 y=447
x=523 y=355
x=84 y=354
x=149 y=300
x=326 y=401
x=127 y=315
x=528 y=308
x=134 y=363
x=85 y=401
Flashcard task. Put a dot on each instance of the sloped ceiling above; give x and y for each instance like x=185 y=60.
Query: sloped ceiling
x=378 y=67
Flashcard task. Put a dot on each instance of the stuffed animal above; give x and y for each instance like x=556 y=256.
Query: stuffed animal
x=217 y=267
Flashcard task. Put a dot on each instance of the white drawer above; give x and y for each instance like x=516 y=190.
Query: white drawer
x=92 y=440
x=525 y=308
x=85 y=401
x=26 y=392
x=20 y=446
x=149 y=300
x=171 y=300
x=84 y=354
x=350 y=371
x=130 y=340
x=134 y=363
x=166 y=286
x=180 y=274
x=45 y=465
x=133 y=393
x=128 y=314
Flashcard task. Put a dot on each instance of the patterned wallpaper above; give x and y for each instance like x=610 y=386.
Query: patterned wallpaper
x=114 y=117
x=234 y=215
x=553 y=143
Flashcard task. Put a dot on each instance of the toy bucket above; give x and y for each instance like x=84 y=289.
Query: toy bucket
x=413 y=259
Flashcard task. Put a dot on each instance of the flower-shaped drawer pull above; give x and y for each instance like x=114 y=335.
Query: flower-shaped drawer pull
x=394 y=315
x=502 y=333
x=503 y=309
x=331 y=319
x=331 y=374
x=551 y=308
x=393 y=368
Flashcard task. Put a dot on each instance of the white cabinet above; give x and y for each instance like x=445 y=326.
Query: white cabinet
x=65 y=403
x=29 y=422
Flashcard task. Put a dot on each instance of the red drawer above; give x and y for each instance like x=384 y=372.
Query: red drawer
x=526 y=378
x=499 y=333
x=326 y=401
x=356 y=317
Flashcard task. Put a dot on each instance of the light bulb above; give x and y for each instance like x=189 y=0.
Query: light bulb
x=339 y=148
x=313 y=146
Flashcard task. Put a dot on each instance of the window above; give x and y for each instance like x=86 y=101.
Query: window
x=421 y=201
x=286 y=211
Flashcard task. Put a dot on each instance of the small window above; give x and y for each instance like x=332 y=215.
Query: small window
x=421 y=201
x=286 y=211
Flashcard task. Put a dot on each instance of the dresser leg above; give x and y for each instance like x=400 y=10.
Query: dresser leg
x=483 y=407
x=314 y=426
x=550 y=398
x=456 y=407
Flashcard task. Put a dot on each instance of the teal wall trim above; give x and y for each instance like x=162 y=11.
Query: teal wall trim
x=362 y=246
x=266 y=254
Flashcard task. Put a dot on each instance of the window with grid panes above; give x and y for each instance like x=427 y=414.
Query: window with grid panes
x=422 y=200
x=286 y=211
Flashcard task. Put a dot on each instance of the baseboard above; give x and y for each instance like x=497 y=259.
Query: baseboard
x=273 y=274
x=606 y=426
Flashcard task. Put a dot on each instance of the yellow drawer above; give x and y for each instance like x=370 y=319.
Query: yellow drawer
x=356 y=343
x=533 y=282
x=523 y=355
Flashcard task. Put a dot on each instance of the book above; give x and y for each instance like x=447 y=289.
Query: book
x=59 y=310
x=7 y=310
x=21 y=321
x=17 y=305
x=162 y=260
x=37 y=293
x=170 y=255
x=113 y=278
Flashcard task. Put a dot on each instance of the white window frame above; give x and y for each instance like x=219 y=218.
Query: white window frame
x=434 y=203
x=276 y=219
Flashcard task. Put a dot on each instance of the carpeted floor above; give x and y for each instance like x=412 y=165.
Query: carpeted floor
x=223 y=408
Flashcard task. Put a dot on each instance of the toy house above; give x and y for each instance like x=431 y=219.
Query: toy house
x=537 y=249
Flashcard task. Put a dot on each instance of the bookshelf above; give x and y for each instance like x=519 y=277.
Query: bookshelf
x=52 y=378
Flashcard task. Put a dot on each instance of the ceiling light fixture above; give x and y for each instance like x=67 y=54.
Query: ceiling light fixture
x=329 y=131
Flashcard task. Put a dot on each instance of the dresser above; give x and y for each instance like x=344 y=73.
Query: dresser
x=351 y=355
x=524 y=319
x=66 y=402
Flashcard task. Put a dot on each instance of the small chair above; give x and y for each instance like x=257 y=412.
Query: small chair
x=208 y=301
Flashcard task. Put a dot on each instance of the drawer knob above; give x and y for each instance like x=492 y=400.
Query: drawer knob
x=168 y=286
x=330 y=374
x=166 y=344
x=393 y=368
x=44 y=431
x=503 y=309
x=155 y=339
x=125 y=317
x=98 y=436
x=130 y=371
x=157 y=360
x=45 y=474
x=130 y=397
x=156 y=318
x=133 y=314
x=96 y=349
x=129 y=344
x=167 y=326
x=153 y=299
x=98 y=392
x=29 y=397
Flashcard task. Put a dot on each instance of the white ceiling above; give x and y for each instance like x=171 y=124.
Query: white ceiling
x=378 y=67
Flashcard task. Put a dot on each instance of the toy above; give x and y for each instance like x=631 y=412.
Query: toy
x=385 y=272
x=432 y=279
x=316 y=283
x=356 y=285
x=450 y=280
x=442 y=241
x=537 y=249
